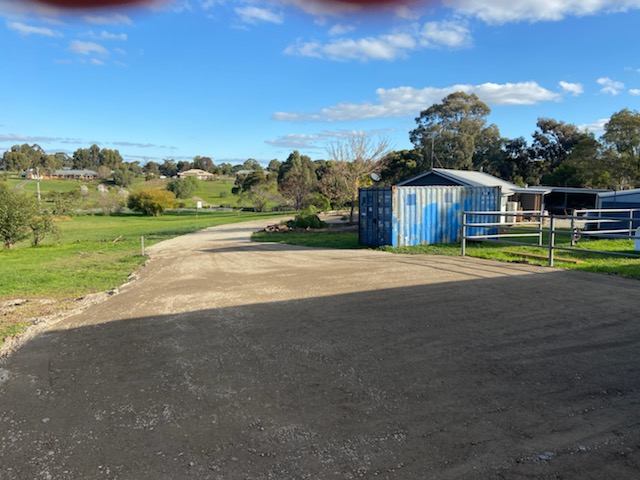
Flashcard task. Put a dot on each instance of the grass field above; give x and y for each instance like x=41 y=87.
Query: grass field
x=93 y=253
x=215 y=192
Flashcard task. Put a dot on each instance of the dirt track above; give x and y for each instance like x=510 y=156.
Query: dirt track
x=233 y=360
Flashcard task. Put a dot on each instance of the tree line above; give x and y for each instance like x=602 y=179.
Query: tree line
x=455 y=134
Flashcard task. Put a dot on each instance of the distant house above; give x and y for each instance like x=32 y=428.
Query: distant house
x=71 y=174
x=198 y=173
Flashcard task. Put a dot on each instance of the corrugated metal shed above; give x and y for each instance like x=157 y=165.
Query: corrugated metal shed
x=621 y=199
x=420 y=215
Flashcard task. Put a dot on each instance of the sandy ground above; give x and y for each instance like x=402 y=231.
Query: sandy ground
x=233 y=360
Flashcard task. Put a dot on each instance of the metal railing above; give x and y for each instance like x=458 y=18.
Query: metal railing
x=535 y=224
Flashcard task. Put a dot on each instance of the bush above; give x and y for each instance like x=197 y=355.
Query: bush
x=17 y=211
x=307 y=218
x=151 y=202
x=318 y=200
x=183 y=187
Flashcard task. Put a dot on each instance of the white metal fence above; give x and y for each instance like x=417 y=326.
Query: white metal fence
x=588 y=223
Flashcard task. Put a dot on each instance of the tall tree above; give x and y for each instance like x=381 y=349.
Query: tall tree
x=552 y=144
x=251 y=164
x=447 y=132
x=151 y=169
x=109 y=158
x=168 y=168
x=298 y=179
x=204 y=163
x=401 y=165
x=622 y=136
x=183 y=166
x=358 y=156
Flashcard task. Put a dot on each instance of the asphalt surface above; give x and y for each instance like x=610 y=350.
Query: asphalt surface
x=233 y=360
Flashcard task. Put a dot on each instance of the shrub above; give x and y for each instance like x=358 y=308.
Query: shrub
x=307 y=218
x=183 y=187
x=151 y=202
x=17 y=210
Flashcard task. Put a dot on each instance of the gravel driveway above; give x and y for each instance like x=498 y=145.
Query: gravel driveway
x=233 y=360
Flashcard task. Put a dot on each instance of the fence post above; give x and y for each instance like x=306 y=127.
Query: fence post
x=552 y=238
x=630 y=224
x=540 y=228
x=464 y=234
x=573 y=228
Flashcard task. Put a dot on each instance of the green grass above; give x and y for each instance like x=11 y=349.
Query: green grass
x=31 y=186
x=8 y=330
x=86 y=258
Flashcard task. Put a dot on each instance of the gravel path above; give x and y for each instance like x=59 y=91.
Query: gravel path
x=233 y=360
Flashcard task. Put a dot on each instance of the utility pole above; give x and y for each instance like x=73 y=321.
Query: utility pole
x=38 y=185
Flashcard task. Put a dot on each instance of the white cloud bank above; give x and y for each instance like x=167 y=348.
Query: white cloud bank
x=572 y=88
x=24 y=29
x=406 y=101
x=386 y=47
x=504 y=11
x=610 y=87
x=87 y=48
x=254 y=15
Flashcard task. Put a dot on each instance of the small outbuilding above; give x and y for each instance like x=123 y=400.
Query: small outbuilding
x=512 y=197
x=619 y=199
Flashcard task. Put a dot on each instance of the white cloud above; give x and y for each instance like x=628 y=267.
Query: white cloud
x=310 y=141
x=385 y=47
x=572 y=88
x=322 y=8
x=86 y=48
x=635 y=91
x=407 y=101
x=104 y=35
x=209 y=4
x=253 y=15
x=446 y=34
x=295 y=141
x=110 y=19
x=503 y=11
x=596 y=127
x=609 y=86
x=340 y=29
x=24 y=29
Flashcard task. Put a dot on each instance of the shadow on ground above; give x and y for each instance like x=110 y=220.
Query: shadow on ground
x=509 y=377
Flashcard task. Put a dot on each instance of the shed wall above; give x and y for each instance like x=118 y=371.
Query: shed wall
x=428 y=215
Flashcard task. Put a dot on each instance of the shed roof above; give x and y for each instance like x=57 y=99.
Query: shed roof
x=620 y=193
x=196 y=171
x=467 y=178
x=76 y=172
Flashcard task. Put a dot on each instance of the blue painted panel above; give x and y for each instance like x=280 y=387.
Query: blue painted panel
x=406 y=216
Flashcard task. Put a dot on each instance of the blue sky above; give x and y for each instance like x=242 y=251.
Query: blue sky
x=238 y=79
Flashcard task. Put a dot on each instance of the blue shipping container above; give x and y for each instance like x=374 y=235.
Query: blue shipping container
x=422 y=215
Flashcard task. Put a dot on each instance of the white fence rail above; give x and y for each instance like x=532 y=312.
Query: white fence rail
x=591 y=223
